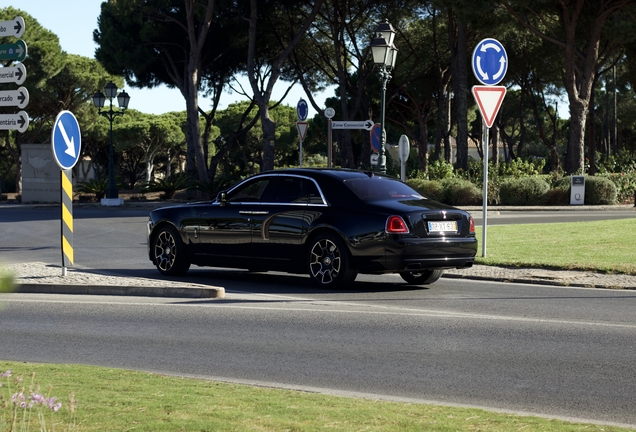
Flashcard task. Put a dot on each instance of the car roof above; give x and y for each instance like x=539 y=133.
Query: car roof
x=334 y=173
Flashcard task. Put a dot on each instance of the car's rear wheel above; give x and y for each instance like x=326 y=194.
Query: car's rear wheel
x=169 y=252
x=329 y=262
x=424 y=277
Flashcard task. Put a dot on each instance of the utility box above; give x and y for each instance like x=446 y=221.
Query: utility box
x=577 y=193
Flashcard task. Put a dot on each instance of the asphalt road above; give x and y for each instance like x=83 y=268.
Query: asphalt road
x=556 y=351
x=562 y=352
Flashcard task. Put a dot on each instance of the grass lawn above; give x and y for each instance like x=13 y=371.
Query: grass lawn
x=608 y=246
x=122 y=400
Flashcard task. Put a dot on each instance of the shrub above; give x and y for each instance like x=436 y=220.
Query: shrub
x=559 y=195
x=440 y=170
x=429 y=188
x=524 y=191
x=460 y=192
x=599 y=190
x=219 y=183
x=92 y=186
x=625 y=183
x=170 y=185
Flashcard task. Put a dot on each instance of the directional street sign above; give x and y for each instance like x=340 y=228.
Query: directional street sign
x=302 y=110
x=19 y=121
x=489 y=100
x=14 y=27
x=13 y=51
x=366 y=124
x=66 y=140
x=19 y=97
x=13 y=74
x=302 y=129
x=490 y=62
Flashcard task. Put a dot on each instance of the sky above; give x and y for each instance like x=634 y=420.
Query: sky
x=73 y=21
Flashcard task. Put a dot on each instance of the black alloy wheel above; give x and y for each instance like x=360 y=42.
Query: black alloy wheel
x=329 y=262
x=169 y=252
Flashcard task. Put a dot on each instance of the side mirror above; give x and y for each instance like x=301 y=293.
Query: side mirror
x=222 y=198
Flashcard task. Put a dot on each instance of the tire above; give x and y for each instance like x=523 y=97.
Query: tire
x=169 y=252
x=329 y=262
x=424 y=277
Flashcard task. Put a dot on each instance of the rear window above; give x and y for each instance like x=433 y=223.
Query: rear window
x=381 y=188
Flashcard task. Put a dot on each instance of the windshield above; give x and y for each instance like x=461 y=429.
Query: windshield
x=381 y=188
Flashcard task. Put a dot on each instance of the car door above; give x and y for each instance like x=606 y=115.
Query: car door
x=225 y=231
x=278 y=230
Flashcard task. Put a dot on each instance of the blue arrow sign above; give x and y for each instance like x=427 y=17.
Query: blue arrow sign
x=66 y=140
x=490 y=62
x=302 y=110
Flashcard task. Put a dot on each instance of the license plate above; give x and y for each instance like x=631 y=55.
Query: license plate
x=445 y=226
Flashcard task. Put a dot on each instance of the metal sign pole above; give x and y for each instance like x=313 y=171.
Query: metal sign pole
x=485 y=193
x=329 y=143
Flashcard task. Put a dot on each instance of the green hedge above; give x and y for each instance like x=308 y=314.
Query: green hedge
x=452 y=191
x=429 y=188
x=524 y=191
x=461 y=192
x=598 y=190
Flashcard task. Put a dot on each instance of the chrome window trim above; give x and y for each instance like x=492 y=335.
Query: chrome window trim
x=322 y=196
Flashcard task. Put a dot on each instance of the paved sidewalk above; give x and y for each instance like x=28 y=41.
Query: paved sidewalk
x=37 y=277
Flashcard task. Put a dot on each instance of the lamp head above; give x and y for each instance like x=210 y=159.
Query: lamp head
x=123 y=99
x=111 y=90
x=99 y=99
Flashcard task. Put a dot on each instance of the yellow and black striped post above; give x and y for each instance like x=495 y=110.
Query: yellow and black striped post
x=67 y=218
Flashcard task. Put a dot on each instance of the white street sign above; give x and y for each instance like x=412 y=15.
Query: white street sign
x=10 y=98
x=302 y=129
x=19 y=121
x=14 y=27
x=489 y=100
x=366 y=124
x=13 y=74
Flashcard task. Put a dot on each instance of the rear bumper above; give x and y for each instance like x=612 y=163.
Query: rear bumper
x=414 y=254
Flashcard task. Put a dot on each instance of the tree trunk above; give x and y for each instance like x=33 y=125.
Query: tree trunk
x=460 y=86
x=422 y=144
x=575 y=157
x=269 y=139
x=591 y=147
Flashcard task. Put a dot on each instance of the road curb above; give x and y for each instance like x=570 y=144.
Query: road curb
x=539 y=281
x=139 y=291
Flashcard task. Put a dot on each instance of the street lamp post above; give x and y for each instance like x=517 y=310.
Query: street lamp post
x=384 y=54
x=98 y=100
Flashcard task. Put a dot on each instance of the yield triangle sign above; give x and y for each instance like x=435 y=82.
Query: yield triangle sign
x=302 y=129
x=489 y=100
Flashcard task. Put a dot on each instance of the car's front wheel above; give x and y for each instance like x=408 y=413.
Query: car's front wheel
x=169 y=252
x=424 y=277
x=329 y=262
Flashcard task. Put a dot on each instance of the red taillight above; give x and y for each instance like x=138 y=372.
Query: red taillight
x=396 y=225
x=472 y=225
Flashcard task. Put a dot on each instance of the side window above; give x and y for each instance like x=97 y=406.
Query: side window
x=313 y=193
x=249 y=192
x=289 y=190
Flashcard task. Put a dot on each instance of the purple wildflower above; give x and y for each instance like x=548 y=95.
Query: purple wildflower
x=6 y=374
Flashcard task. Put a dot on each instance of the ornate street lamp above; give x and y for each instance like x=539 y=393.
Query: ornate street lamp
x=384 y=54
x=98 y=100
